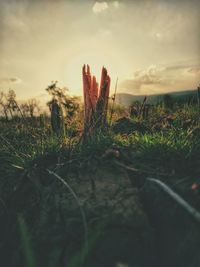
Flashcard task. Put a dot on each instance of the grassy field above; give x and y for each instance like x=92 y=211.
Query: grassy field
x=61 y=198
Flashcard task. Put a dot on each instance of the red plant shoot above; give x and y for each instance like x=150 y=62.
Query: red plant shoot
x=95 y=99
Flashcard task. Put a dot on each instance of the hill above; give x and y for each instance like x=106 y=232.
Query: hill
x=126 y=99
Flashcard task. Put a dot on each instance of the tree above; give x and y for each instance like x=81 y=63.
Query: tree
x=3 y=105
x=33 y=106
x=30 y=107
x=62 y=106
x=24 y=109
x=12 y=103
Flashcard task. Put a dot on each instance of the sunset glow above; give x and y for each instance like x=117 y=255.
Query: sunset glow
x=151 y=46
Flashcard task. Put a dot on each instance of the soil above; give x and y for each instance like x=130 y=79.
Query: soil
x=122 y=227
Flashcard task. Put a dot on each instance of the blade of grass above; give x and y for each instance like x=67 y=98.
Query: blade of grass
x=26 y=243
x=78 y=202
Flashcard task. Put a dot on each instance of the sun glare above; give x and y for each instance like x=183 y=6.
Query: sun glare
x=74 y=70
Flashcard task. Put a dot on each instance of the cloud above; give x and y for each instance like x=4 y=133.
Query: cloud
x=150 y=76
x=99 y=7
x=116 y=4
x=10 y=80
x=186 y=69
x=13 y=22
x=161 y=78
x=194 y=70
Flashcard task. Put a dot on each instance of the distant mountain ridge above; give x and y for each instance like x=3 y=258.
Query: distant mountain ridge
x=127 y=99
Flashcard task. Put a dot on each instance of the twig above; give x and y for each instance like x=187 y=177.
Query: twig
x=78 y=202
x=129 y=168
x=184 y=204
x=114 y=97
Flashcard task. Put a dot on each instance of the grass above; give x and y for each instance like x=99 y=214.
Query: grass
x=169 y=145
x=26 y=243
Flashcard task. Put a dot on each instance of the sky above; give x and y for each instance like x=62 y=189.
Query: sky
x=152 y=46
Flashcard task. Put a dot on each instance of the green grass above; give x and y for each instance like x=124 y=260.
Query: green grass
x=26 y=243
x=26 y=151
x=22 y=144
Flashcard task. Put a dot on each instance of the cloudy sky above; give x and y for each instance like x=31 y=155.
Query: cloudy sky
x=150 y=45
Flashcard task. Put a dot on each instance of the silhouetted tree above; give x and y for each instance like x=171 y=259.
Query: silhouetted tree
x=12 y=103
x=33 y=106
x=3 y=104
x=61 y=105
